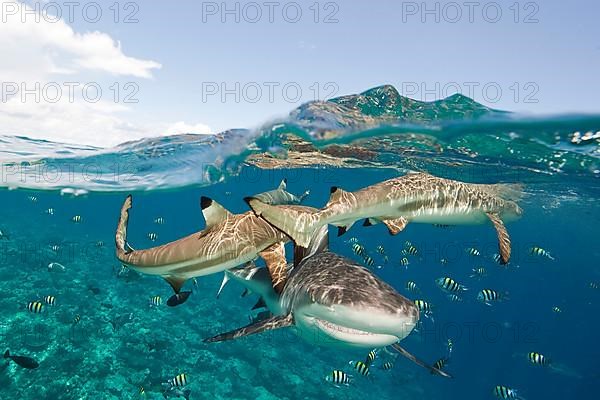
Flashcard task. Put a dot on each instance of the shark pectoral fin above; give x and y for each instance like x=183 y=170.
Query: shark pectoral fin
x=274 y=257
x=259 y=304
x=257 y=327
x=414 y=359
x=175 y=282
x=503 y=238
x=395 y=226
x=213 y=212
x=223 y=283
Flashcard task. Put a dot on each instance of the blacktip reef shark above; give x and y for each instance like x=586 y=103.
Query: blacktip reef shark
x=331 y=300
x=281 y=196
x=227 y=241
x=415 y=197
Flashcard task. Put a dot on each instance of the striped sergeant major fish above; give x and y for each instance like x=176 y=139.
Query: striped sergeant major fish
x=159 y=220
x=412 y=287
x=556 y=310
x=488 y=295
x=479 y=272
x=424 y=307
x=76 y=219
x=361 y=367
x=455 y=298
x=371 y=356
x=415 y=197
x=35 y=307
x=410 y=250
x=404 y=262
x=179 y=381
x=381 y=250
x=537 y=358
x=450 y=285
x=359 y=249
x=152 y=236
x=50 y=300
x=441 y=363
x=227 y=241
x=472 y=251
x=76 y=319
x=155 y=301
x=386 y=366
x=368 y=260
x=538 y=251
x=503 y=392
x=338 y=377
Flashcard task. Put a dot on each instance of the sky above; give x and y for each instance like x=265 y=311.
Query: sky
x=106 y=72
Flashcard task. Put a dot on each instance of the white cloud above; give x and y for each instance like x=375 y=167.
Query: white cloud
x=181 y=127
x=59 y=48
x=38 y=52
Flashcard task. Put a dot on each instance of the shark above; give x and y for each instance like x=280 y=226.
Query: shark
x=281 y=196
x=227 y=241
x=330 y=300
x=415 y=197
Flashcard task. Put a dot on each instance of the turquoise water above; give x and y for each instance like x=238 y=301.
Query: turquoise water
x=122 y=344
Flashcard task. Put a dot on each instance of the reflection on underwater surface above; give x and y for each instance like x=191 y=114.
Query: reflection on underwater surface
x=103 y=340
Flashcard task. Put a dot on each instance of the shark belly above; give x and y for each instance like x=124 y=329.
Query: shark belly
x=389 y=210
x=192 y=268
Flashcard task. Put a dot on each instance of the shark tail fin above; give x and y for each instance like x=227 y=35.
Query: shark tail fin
x=298 y=222
x=121 y=234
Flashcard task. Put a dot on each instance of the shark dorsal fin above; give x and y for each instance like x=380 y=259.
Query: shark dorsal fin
x=335 y=195
x=283 y=184
x=318 y=244
x=213 y=212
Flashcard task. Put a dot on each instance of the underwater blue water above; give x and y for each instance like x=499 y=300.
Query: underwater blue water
x=122 y=344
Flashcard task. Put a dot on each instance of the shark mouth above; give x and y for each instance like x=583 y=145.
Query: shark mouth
x=320 y=331
x=340 y=329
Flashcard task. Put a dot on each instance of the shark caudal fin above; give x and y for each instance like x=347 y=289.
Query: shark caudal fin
x=257 y=327
x=121 y=235
x=298 y=222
